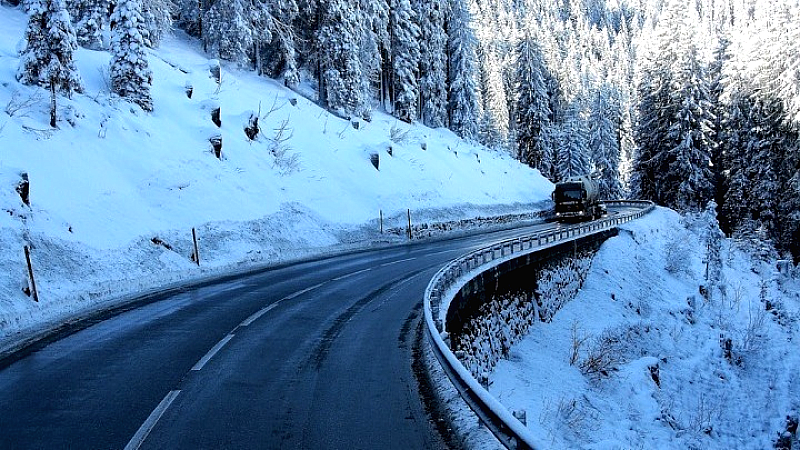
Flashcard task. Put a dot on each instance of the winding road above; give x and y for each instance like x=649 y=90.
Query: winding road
x=312 y=355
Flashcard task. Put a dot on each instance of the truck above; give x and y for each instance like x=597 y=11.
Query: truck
x=577 y=198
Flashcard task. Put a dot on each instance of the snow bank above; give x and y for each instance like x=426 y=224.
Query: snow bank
x=669 y=381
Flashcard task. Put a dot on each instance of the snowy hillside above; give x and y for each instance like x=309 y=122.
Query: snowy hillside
x=115 y=191
x=655 y=364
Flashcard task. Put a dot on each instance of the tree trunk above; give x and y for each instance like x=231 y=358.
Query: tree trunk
x=53 y=105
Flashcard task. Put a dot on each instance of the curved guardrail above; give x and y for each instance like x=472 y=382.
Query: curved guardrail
x=452 y=277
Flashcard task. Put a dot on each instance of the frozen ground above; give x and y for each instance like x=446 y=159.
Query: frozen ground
x=666 y=378
x=115 y=192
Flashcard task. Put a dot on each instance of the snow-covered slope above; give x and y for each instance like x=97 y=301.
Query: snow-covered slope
x=115 y=192
x=664 y=373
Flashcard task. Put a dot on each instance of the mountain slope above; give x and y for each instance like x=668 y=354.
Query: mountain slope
x=115 y=191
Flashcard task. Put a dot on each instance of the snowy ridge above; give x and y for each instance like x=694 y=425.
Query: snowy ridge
x=451 y=278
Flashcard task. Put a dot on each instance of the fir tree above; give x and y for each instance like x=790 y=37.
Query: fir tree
x=604 y=142
x=690 y=182
x=433 y=62
x=375 y=51
x=572 y=152
x=91 y=22
x=340 y=70
x=275 y=40
x=713 y=237
x=405 y=59
x=532 y=112
x=463 y=71
x=157 y=15
x=228 y=33
x=48 y=57
x=131 y=77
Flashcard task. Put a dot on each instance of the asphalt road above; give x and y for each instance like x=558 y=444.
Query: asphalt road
x=315 y=355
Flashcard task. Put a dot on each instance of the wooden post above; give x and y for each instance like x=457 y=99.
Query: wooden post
x=409 y=224
x=53 y=106
x=33 y=292
x=196 y=252
x=380 y=212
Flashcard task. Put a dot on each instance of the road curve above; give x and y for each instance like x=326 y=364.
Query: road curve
x=312 y=355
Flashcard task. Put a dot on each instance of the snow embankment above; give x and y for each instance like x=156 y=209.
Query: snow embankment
x=115 y=192
x=655 y=363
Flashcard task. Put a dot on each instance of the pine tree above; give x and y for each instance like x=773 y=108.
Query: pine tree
x=91 y=22
x=572 y=152
x=228 y=33
x=131 y=77
x=405 y=59
x=433 y=62
x=495 y=119
x=532 y=104
x=275 y=40
x=463 y=72
x=690 y=182
x=340 y=70
x=375 y=51
x=713 y=238
x=157 y=15
x=604 y=142
x=48 y=57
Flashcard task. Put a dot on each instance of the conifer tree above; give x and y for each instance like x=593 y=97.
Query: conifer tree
x=157 y=15
x=433 y=62
x=604 y=143
x=463 y=72
x=532 y=103
x=405 y=60
x=340 y=70
x=228 y=33
x=375 y=51
x=131 y=77
x=91 y=21
x=275 y=39
x=48 y=57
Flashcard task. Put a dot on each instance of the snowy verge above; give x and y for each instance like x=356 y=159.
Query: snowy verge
x=76 y=281
x=659 y=364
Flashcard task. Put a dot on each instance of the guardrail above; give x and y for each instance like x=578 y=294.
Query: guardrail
x=444 y=286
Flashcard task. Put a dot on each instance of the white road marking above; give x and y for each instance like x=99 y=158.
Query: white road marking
x=138 y=439
x=352 y=274
x=446 y=251
x=260 y=313
x=397 y=262
x=212 y=352
x=299 y=293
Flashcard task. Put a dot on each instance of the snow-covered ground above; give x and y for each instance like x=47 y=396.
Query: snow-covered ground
x=115 y=192
x=656 y=370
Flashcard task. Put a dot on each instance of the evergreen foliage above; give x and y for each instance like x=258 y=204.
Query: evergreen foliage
x=131 y=77
x=91 y=22
x=463 y=72
x=340 y=69
x=532 y=104
x=405 y=59
x=50 y=43
x=433 y=62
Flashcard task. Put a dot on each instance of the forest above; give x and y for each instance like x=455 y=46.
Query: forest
x=679 y=102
